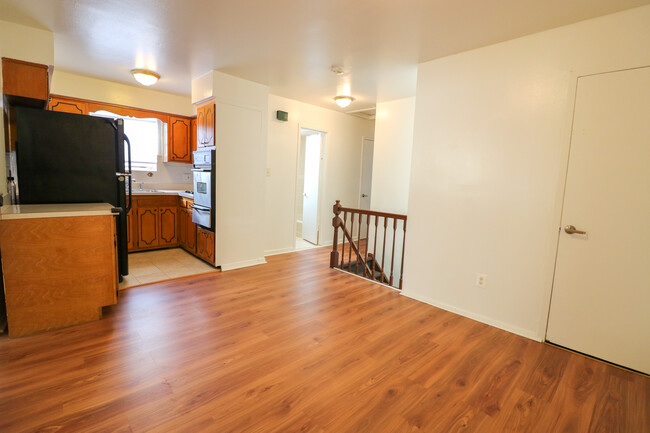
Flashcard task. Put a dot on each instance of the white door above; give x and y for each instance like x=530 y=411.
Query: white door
x=366 y=173
x=601 y=294
x=310 y=191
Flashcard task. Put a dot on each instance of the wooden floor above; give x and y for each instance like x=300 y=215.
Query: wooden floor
x=293 y=346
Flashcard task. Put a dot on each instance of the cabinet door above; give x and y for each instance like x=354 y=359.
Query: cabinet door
x=182 y=228
x=209 y=125
x=148 y=227
x=168 y=217
x=191 y=231
x=67 y=105
x=193 y=134
x=201 y=242
x=209 y=248
x=200 y=126
x=130 y=235
x=205 y=125
x=178 y=147
x=205 y=245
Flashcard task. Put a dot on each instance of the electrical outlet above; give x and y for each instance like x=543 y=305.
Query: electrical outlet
x=187 y=177
x=481 y=280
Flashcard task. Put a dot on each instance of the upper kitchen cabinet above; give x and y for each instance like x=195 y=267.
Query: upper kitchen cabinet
x=67 y=105
x=193 y=134
x=178 y=146
x=205 y=124
x=25 y=83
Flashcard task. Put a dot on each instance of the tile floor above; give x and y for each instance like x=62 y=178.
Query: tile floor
x=151 y=266
x=302 y=244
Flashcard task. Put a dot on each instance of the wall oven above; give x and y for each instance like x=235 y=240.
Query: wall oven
x=203 y=168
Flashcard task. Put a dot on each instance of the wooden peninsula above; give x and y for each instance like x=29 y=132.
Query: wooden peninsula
x=59 y=263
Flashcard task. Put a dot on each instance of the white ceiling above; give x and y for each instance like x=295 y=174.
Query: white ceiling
x=288 y=45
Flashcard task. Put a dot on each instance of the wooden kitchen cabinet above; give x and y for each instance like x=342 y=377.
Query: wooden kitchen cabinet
x=153 y=222
x=25 y=81
x=148 y=227
x=205 y=245
x=187 y=231
x=193 y=134
x=168 y=222
x=178 y=145
x=58 y=270
x=162 y=221
x=205 y=121
x=67 y=105
x=130 y=235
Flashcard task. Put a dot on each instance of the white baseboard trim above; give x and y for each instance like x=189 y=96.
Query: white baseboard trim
x=279 y=251
x=478 y=317
x=243 y=264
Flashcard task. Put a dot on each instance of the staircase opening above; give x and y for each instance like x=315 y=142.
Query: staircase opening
x=369 y=244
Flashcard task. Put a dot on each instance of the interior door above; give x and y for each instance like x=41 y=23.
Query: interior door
x=601 y=293
x=366 y=173
x=310 y=191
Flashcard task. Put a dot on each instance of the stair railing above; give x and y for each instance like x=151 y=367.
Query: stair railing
x=365 y=237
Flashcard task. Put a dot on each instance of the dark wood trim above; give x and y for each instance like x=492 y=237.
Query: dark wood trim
x=135 y=111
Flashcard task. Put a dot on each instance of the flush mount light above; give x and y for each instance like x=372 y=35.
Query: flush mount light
x=145 y=77
x=343 y=101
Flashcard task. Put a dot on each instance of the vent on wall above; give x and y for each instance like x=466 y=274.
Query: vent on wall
x=364 y=113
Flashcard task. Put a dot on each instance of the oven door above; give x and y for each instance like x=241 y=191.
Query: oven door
x=203 y=188
x=202 y=216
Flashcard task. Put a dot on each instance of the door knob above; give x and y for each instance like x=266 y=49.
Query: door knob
x=573 y=231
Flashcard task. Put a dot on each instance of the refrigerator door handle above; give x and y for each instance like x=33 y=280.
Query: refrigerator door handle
x=129 y=175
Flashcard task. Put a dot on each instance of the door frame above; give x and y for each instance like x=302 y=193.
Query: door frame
x=563 y=171
x=321 y=178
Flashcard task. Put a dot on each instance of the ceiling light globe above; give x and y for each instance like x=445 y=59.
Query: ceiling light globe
x=343 y=101
x=145 y=77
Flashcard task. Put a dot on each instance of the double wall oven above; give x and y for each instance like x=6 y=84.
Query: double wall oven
x=203 y=168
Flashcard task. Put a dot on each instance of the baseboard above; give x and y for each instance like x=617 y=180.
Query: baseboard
x=478 y=317
x=243 y=264
x=279 y=251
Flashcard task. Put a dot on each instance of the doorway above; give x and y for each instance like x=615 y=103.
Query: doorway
x=601 y=294
x=309 y=179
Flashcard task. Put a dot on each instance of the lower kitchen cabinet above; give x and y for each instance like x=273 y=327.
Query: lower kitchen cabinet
x=205 y=245
x=148 y=227
x=163 y=221
x=130 y=237
x=153 y=223
x=168 y=217
x=187 y=231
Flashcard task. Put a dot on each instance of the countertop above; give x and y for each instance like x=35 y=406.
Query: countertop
x=181 y=193
x=59 y=210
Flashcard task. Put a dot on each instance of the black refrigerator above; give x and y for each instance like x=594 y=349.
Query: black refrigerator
x=74 y=158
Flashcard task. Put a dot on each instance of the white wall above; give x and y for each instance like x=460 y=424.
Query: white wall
x=240 y=138
x=491 y=140
x=391 y=165
x=22 y=43
x=80 y=86
x=342 y=167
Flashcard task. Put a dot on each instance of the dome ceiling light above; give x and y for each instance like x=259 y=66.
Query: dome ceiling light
x=343 y=101
x=145 y=77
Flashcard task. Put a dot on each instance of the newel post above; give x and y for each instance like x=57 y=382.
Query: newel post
x=336 y=223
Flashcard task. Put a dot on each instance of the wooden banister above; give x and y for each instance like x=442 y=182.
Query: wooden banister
x=362 y=257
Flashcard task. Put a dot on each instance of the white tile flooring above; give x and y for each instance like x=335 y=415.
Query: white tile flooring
x=302 y=244
x=159 y=265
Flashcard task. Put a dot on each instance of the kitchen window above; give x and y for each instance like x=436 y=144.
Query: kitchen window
x=147 y=137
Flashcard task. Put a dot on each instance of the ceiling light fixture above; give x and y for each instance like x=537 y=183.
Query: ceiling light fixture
x=145 y=77
x=343 y=101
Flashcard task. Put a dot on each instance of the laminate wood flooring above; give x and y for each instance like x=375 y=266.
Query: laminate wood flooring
x=293 y=346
